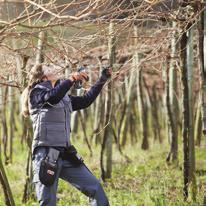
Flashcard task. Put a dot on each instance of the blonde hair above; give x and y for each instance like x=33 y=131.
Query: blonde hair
x=36 y=74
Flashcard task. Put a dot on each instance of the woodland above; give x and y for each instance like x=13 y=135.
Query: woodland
x=144 y=136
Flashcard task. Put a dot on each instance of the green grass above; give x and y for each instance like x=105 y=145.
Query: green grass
x=147 y=180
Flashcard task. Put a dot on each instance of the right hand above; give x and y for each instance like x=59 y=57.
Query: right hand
x=79 y=76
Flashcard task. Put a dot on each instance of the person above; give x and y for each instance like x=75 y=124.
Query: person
x=50 y=107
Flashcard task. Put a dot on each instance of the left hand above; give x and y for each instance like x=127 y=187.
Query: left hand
x=107 y=72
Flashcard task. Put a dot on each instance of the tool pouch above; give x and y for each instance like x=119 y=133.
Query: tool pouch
x=48 y=167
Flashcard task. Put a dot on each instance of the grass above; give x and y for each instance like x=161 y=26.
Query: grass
x=146 y=181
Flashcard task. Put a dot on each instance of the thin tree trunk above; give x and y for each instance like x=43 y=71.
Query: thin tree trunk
x=123 y=111
x=26 y=135
x=172 y=103
x=9 y=201
x=164 y=116
x=142 y=110
x=111 y=47
x=191 y=144
x=202 y=72
x=84 y=132
x=21 y=62
x=198 y=124
x=107 y=139
x=97 y=114
x=155 y=112
x=3 y=97
x=202 y=65
x=40 y=47
x=185 y=132
x=28 y=180
x=11 y=121
x=132 y=78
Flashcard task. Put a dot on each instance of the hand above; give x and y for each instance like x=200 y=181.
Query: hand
x=79 y=76
x=107 y=72
x=84 y=75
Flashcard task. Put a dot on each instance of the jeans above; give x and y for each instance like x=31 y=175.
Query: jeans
x=78 y=176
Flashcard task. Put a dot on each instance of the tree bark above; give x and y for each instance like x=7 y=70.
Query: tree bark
x=9 y=201
x=155 y=113
x=3 y=100
x=185 y=134
x=202 y=72
x=172 y=103
x=11 y=120
x=84 y=132
x=132 y=78
x=191 y=144
x=40 y=47
x=142 y=107
x=97 y=113
x=186 y=115
x=107 y=139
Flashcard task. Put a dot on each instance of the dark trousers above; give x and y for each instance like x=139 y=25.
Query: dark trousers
x=78 y=176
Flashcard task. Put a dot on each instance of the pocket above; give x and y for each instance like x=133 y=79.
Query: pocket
x=48 y=172
x=56 y=133
x=55 y=114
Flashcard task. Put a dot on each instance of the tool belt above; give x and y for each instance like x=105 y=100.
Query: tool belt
x=49 y=167
x=70 y=153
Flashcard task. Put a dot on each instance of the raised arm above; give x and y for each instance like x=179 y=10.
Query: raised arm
x=39 y=96
x=81 y=102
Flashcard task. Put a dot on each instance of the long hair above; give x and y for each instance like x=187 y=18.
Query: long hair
x=36 y=74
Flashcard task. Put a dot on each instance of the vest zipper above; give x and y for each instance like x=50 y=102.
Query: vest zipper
x=66 y=123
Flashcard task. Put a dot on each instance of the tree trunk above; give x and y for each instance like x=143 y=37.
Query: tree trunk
x=11 y=120
x=84 y=132
x=142 y=110
x=132 y=78
x=191 y=144
x=202 y=72
x=27 y=186
x=107 y=139
x=202 y=66
x=9 y=201
x=97 y=113
x=185 y=114
x=40 y=47
x=155 y=112
x=3 y=100
x=27 y=135
x=172 y=103
x=198 y=124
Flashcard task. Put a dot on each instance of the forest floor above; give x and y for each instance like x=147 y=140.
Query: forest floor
x=146 y=181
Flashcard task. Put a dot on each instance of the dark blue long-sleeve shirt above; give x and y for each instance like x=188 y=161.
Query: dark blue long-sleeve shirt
x=39 y=96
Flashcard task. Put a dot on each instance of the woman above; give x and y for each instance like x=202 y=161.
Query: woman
x=49 y=106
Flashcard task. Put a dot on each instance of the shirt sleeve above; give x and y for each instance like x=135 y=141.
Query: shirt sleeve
x=81 y=102
x=40 y=96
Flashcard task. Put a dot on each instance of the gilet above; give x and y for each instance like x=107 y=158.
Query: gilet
x=51 y=123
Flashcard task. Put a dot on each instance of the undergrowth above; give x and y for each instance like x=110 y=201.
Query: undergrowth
x=145 y=181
